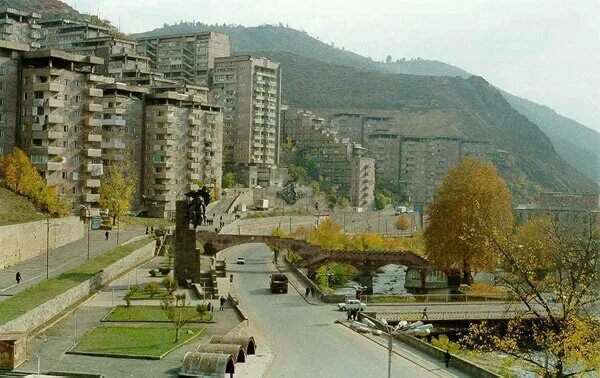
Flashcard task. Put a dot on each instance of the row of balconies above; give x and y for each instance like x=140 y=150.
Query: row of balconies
x=113 y=122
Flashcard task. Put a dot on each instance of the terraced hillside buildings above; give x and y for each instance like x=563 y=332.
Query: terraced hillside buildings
x=341 y=163
x=186 y=59
x=249 y=90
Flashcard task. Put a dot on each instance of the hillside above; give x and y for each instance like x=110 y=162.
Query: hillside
x=577 y=144
x=45 y=7
x=468 y=107
x=16 y=209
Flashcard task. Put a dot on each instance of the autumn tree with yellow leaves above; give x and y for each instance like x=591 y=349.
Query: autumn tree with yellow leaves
x=552 y=268
x=471 y=205
x=116 y=192
x=402 y=223
x=19 y=175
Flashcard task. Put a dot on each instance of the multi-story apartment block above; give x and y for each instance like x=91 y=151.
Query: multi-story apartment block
x=183 y=146
x=20 y=27
x=61 y=121
x=341 y=163
x=425 y=161
x=10 y=65
x=188 y=58
x=249 y=90
x=123 y=131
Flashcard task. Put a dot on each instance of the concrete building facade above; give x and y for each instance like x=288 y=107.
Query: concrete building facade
x=183 y=146
x=62 y=121
x=249 y=90
x=186 y=59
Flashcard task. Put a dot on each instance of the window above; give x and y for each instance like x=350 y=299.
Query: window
x=1 y=85
x=65 y=175
x=77 y=99
x=2 y=70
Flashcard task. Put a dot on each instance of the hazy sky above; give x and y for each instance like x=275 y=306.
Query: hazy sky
x=545 y=50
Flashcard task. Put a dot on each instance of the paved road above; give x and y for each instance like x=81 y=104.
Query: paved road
x=61 y=259
x=306 y=341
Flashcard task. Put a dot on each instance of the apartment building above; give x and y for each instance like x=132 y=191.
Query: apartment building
x=61 y=121
x=187 y=59
x=123 y=131
x=183 y=145
x=425 y=161
x=341 y=163
x=20 y=27
x=249 y=90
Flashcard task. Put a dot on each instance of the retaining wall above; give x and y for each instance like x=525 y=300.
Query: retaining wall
x=26 y=240
x=50 y=309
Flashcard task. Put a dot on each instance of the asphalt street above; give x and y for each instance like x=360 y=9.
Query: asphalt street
x=305 y=338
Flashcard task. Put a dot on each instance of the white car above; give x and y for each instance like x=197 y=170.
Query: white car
x=352 y=304
x=240 y=261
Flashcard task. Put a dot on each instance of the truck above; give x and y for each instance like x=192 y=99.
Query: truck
x=279 y=283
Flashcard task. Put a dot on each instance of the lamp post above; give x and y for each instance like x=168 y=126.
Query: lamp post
x=48 y=225
x=89 y=226
x=390 y=345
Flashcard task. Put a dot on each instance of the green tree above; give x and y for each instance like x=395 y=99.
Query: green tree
x=229 y=180
x=471 y=205
x=170 y=284
x=316 y=187
x=116 y=192
x=381 y=201
x=297 y=174
x=178 y=315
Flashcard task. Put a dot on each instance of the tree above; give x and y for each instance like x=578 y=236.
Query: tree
x=316 y=187
x=152 y=288
x=297 y=174
x=388 y=59
x=471 y=205
x=170 y=284
x=178 y=315
x=381 y=201
x=552 y=269
x=402 y=223
x=288 y=145
x=229 y=180
x=116 y=192
x=344 y=203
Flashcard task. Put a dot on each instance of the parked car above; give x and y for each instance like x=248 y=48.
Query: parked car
x=240 y=260
x=352 y=304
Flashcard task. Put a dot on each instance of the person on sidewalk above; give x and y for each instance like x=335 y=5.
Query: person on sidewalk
x=312 y=292
x=424 y=316
x=307 y=291
x=349 y=315
x=18 y=277
x=222 y=302
x=106 y=234
x=447 y=358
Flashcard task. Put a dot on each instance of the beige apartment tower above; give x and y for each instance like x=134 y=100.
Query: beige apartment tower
x=249 y=90
x=183 y=146
x=62 y=122
x=186 y=59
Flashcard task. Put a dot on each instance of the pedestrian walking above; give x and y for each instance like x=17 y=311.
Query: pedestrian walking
x=349 y=315
x=424 y=316
x=222 y=301
x=106 y=234
x=312 y=292
x=307 y=291
x=147 y=230
x=447 y=358
x=208 y=307
x=18 y=277
x=151 y=229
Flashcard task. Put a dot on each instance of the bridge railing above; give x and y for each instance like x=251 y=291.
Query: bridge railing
x=422 y=298
x=452 y=315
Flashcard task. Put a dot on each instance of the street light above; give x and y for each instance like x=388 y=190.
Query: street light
x=48 y=225
x=89 y=226
x=390 y=345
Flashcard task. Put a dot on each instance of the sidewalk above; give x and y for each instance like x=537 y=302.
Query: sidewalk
x=296 y=283
x=33 y=271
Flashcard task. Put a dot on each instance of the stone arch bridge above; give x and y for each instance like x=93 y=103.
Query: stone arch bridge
x=421 y=276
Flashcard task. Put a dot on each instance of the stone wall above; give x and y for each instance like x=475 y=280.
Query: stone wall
x=26 y=240
x=52 y=308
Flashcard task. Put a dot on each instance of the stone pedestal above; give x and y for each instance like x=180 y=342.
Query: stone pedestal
x=187 y=257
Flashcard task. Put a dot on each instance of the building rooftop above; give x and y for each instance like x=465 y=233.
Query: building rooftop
x=62 y=55
x=13 y=45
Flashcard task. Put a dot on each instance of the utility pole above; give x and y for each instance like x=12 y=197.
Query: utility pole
x=47 y=248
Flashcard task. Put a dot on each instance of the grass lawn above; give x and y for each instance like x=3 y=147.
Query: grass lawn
x=134 y=341
x=149 y=314
x=16 y=209
x=142 y=294
x=34 y=296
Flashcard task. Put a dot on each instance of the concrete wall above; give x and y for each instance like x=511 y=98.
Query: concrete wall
x=52 y=308
x=26 y=240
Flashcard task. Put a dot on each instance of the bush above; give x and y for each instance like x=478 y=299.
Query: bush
x=152 y=273
x=402 y=223
x=201 y=308
x=152 y=288
x=170 y=284
x=164 y=271
x=294 y=258
x=180 y=298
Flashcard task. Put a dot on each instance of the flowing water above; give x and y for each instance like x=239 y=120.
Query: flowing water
x=389 y=280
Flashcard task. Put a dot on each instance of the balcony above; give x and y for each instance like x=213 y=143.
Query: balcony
x=93 y=122
x=92 y=183
x=163 y=142
x=193 y=133
x=55 y=103
x=95 y=78
x=194 y=176
x=49 y=166
x=113 y=122
x=91 y=107
x=164 y=175
x=94 y=92
x=53 y=151
x=93 y=138
x=90 y=197
x=165 y=119
x=93 y=152
x=55 y=118
x=169 y=130
x=95 y=169
x=116 y=110
x=48 y=87
x=47 y=134
x=192 y=165
x=193 y=143
x=195 y=122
